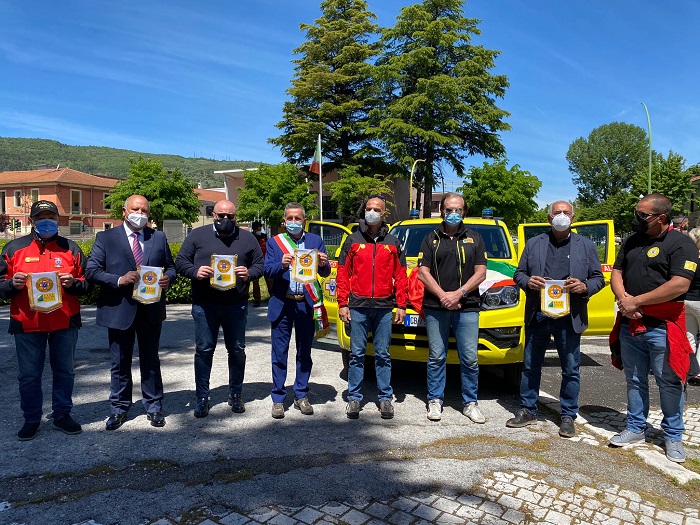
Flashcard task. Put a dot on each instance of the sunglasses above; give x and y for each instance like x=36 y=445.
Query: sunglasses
x=231 y=216
x=642 y=216
x=377 y=197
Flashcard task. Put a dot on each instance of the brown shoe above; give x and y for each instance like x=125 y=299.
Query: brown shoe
x=304 y=405
x=277 y=410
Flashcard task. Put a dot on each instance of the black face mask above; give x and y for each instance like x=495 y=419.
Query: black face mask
x=224 y=226
x=639 y=226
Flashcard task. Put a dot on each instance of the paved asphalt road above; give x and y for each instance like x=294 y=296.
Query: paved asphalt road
x=245 y=461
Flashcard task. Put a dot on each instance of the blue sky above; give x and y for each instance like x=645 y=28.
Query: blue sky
x=208 y=78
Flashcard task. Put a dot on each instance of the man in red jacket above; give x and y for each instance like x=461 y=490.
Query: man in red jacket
x=25 y=281
x=371 y=280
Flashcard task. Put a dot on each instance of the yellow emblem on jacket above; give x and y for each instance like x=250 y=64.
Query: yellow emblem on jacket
x=690 y=265
x=653 y=252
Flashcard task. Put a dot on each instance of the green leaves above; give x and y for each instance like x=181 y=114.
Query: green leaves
x=170 y=194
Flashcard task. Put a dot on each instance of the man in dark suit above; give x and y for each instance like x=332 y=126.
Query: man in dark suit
x=559 y=255
x=292 y=305
x=113 y=263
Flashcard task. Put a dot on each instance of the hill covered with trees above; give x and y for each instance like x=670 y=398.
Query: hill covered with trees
x=25 y=154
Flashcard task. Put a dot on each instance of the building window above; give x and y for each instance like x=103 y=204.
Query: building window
x=18 y=198
x=3 y=196
x=34 y=194
x=108 y=225
x=330 y=209
x=75 y=202
x=75 y=227
x=105 y=205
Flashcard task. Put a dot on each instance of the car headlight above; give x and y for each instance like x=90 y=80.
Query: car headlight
x=500 y=297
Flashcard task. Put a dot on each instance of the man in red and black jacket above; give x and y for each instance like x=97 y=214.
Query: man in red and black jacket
x=371 y=281
x=43 y=250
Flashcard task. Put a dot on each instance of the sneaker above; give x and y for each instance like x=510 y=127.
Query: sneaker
x=473 y=412
x=68 y=425
x=304 y=405
x=522 y=418
x=386 y=409
x=28 y=431
x=235 y=401
x=352 y=410
x=566 y=428
x=277 y=410
x=626 y=437
x=674 y=451
x=434 y=410
x=202 y=407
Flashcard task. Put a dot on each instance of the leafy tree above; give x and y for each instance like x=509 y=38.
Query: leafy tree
x=607 y=161
x=268 y=190
x=170 y=194
x=509 y=192
x=538 y=216
x=618 y=208
x=352 y=190
x=332 y=89
x=438 y=93
x=669 y=177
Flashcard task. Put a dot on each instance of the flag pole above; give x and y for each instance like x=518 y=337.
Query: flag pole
x=320 y=179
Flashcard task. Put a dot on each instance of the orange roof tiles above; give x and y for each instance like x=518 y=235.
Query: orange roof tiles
x=60 y=176
x=208 y=195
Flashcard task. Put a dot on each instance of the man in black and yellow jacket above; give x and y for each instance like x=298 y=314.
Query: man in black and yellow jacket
x=43 y=250
x=371 y=281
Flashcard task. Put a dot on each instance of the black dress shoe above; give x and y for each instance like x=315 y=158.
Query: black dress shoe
x=115 y=421
x=157 y=419
x=236 y=403
x=202 y=407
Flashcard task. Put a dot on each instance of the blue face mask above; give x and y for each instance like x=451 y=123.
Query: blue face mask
x=453 y=219
x=46 y=228
x=294 y=228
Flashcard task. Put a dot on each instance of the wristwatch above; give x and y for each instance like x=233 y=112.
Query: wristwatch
x=464 y=292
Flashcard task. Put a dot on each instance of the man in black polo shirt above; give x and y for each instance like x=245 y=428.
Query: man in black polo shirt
x=452 y=264
x=559 y=255
x=650 y=277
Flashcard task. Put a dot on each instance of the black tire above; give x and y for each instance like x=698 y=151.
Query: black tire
x=512 y=374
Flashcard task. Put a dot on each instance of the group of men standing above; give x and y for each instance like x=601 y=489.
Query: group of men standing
x=650 y=277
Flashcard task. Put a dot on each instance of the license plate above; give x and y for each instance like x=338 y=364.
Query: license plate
x=413 y=320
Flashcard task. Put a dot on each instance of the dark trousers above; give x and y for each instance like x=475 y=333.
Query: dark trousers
x=296 y=314
x=208 y=317
x=121 y=349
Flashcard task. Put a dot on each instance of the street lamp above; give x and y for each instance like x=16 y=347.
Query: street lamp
x=410 y=185
x=649 y=126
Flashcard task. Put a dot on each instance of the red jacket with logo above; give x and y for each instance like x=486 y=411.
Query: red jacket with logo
x=29 y=254
x=372 y=272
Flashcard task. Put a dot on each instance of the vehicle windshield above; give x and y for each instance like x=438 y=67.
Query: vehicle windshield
x=411 y=237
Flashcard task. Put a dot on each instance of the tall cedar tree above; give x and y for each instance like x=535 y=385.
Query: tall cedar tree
x=438 y=94
x=332 y=90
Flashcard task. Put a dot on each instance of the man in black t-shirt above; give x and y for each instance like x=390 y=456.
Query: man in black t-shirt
x=650 y=277
x=452 y=264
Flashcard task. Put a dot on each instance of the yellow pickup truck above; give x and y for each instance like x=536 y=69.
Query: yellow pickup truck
x=501 y=329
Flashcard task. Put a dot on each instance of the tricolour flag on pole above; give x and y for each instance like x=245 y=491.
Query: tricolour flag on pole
x=316 y=163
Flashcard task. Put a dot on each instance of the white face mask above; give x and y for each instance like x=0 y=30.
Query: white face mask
x=372 y=217
x=561 y=222
x=137 y=221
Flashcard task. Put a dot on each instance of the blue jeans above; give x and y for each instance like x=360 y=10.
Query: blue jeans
x=363 y=321
x=568 y=343
x=232 y=318
x=640 y=354
x=31 y=355
x=465 y=326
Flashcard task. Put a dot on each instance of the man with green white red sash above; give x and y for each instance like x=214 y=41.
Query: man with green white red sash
x=293 y=261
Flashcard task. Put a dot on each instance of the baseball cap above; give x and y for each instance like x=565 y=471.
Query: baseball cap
x=40 y=206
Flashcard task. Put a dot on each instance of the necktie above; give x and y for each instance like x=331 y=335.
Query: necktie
x=136 y=249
